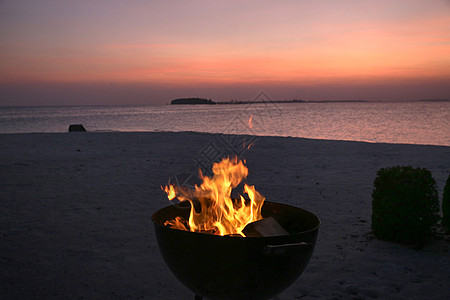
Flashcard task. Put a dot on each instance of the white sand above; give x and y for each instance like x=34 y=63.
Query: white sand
x=76 y=208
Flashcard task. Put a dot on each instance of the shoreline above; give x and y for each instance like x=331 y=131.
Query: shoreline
x=216 y=133
x=77 y=210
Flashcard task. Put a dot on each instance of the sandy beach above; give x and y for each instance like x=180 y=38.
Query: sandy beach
x=76 y=215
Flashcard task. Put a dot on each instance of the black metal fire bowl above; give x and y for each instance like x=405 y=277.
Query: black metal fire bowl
x=227 y=267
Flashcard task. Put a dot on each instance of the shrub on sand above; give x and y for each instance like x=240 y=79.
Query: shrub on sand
x=405 y=205
x=446 y=206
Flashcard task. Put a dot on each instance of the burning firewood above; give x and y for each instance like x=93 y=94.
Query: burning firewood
x=264 y=227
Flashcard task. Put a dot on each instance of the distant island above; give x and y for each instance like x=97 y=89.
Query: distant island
x=288 y=101
x=192 y=101
x=260 y=101
x=329 y=101
x=209 y=101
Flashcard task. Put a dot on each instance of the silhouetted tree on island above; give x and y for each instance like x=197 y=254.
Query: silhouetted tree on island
x=192 y=101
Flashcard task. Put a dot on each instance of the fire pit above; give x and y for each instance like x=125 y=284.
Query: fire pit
x=227 y=248
x=228 y=267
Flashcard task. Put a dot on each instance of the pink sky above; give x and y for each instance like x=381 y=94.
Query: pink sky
x=136 y=52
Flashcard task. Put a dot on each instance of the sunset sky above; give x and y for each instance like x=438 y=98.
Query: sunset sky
x=149 y=52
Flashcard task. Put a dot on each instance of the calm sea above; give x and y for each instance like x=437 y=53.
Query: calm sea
x=390 y=122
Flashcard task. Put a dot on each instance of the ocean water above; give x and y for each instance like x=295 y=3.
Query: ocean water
x=416 y=122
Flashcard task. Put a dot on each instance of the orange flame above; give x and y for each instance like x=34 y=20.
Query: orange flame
x=244 y=146
x=219 y=214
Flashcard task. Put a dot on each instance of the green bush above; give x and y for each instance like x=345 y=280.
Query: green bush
x=446 y=205
x=405 y=205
